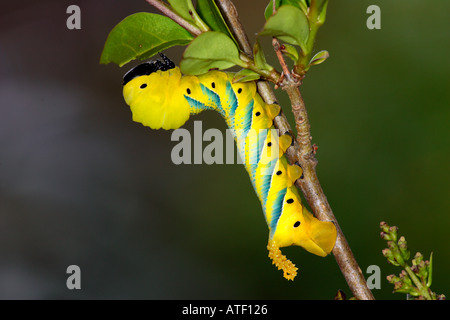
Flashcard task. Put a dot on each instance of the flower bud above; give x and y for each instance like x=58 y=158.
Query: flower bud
x=398 y=286
x=393 y=232
x=385 y=236
x=403 y=246
x=387 y=253
x=391 y=245
x=417 y=258
x=405 y=278
x=390 y=256
x=384 y=226
x=423 y=270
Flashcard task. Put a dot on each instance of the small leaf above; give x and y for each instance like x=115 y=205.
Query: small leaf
x=430 y=271
x=290 y=52
x=246 y=75
x=182 y=8
x=269 y=9
x=319 y=57
x=141 y=36
x=289 y=24
x=210 y=13
x=210 y=50
x=322 y=6
x=260 y=59
x=301 y=4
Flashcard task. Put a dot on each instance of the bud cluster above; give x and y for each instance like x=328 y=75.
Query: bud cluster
x=413 y=280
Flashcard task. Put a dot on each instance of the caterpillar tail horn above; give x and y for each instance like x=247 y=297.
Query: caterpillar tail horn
x=321 y=242
x=280 y=261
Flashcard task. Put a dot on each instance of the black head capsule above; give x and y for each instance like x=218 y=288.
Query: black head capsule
x=167 y=64
x=146 y=68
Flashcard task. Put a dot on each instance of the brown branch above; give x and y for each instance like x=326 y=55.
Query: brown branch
x=230 y=14
x=317 y=200
x=161 y=6
x=303 y=153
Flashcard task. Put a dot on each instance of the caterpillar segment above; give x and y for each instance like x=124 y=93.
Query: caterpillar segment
x=164 y=98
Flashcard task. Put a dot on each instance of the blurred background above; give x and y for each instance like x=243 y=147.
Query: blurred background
x=80 y=183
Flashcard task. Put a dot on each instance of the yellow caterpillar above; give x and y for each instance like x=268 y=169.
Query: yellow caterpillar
x=161 y=97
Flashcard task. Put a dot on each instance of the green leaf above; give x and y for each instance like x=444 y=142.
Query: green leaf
x=186 y=10
x=182 y=8
x=290 y=52
x=141 y=36
x=319 y=57
x=210 y=50
x=246 y=75
x=210 y=13
x=430 y=271
x=320 y=4
x=269 y=9
x=290 y=25
x=260 y=59
x=301 y=4
x=322 y=9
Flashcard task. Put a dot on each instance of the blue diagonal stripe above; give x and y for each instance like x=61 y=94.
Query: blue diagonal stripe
x=196 y=106
x=232 y=100
x=277 y=208
x=267 y=174
x=214 y=98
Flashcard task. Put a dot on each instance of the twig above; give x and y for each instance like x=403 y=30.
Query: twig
x=286 y=73
x=302 y=152
x=161 y=6
x=230 y=14
x=317 y=200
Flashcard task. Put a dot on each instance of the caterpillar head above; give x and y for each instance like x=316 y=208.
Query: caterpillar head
x=152 y=91
x=297 y=226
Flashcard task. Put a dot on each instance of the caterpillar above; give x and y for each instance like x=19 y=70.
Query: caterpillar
x=161 y=97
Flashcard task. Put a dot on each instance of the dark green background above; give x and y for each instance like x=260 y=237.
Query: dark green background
x=80 y=183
